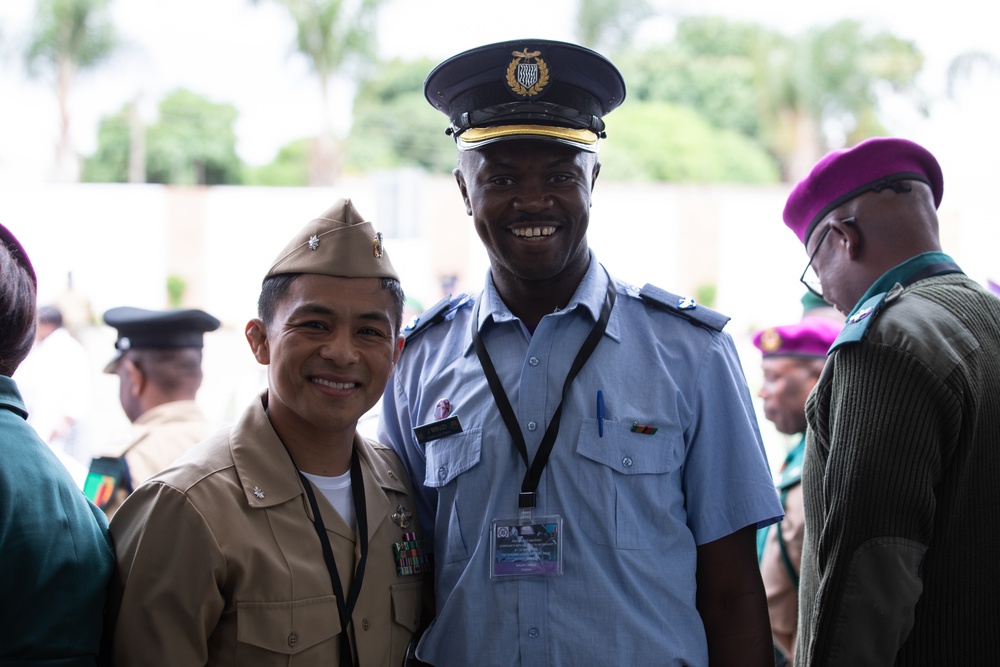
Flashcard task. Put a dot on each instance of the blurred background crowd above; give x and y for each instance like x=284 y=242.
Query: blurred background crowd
x=153 y=155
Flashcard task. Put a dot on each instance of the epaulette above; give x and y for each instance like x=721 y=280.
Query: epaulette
x=683 y=306
x=856 y=327
x=436 y=313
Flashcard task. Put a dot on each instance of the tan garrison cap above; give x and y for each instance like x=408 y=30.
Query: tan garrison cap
x=337 y=243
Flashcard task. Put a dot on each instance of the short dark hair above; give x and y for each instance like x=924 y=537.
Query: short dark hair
x=17 y=312
x=50 y=315
x=177 y=372
x=274 y=288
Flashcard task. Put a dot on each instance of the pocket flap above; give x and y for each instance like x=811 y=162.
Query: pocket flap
x=631 y=453
x=287 y=627
x=451 y=456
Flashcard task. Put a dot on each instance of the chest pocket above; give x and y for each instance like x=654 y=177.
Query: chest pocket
x=631 y=480
x=269 y=633
x=462 y=483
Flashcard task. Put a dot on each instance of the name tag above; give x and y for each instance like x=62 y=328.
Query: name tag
x=436 y=430
x=520 y=549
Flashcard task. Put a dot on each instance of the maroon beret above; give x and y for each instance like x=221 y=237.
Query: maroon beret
x=842 y=175
x=810 y=337
x=17 y=252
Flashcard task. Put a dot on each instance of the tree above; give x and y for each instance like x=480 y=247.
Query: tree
x=192 y=142
x=659 y=141
x=793 y=95
x=68 y=36
x=394 y=126
x=333 y=35
x=607 y=25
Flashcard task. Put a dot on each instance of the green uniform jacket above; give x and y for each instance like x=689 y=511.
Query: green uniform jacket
x=219 y=562
x=55 y=554
x=901 y=473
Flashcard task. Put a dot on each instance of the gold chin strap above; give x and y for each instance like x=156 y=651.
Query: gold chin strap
x=479 y=136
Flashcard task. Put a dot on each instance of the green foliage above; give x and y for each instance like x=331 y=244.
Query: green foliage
x=290 y=167
x=607 y=25
x=78 y=32
x=109 y=163
x=658 y=141
x=394 y=126
x=705 y=294
x=176 y=286
x=193 y=142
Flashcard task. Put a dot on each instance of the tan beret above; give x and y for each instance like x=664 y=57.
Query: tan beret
x=337 y=243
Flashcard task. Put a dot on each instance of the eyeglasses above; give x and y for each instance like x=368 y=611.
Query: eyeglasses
x=809 y=277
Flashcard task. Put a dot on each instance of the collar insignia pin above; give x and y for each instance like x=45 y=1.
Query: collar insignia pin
x=259 y=492
x=860 y=315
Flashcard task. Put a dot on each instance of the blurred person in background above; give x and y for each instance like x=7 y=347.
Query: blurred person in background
x=158 y=364
x=54 y=547
x=57 y=382
x=793 y=358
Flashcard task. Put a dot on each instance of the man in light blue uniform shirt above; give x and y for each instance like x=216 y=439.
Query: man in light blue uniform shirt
x=615 y=419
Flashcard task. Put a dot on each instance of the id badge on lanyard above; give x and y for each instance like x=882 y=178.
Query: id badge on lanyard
x=529 y=545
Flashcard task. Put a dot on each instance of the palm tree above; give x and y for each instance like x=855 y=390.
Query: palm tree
x=332 y=35
x=66 y=37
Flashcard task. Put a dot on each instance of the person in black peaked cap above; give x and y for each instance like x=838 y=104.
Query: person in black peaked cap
x=158 y=364
x=617 y=418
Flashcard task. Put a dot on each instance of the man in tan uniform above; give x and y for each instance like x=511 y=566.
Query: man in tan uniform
x=288 y=539
x=158 y=365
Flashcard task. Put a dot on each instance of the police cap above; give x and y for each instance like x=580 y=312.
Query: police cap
x=139 y=328
x=526 y=89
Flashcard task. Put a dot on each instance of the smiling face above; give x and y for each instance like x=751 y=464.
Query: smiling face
x=530 y=203
x=330 y=348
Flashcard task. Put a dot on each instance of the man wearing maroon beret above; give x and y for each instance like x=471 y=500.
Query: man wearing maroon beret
x=793 y=358
x=903 y=441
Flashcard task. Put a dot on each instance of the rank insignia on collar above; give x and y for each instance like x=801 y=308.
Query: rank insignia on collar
x=377 y=247
x=860 y=315
x=527 y=74
x=259 y=492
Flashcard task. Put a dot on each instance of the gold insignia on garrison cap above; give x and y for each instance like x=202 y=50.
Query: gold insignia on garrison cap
x=377 y=245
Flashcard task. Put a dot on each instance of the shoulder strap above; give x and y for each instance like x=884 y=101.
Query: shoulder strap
x=436 y=313
x=683 y=306
x=856 y=327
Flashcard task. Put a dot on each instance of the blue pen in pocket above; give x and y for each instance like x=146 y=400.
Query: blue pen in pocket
x=600 y=413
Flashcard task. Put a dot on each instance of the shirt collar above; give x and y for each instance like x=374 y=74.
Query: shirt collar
x=589 y=294
x=901 y=273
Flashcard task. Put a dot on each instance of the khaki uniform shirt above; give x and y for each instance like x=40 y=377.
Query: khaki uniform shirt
x=156 y=439
x=219 y=562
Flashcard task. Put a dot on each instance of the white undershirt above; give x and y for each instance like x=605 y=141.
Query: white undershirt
x=337 y=490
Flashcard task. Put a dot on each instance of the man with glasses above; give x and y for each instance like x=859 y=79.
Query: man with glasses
x=903 y=442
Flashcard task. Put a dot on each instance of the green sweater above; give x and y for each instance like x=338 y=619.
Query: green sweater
x=902 y=484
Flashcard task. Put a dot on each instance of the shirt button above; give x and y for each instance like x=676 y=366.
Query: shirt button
x=293 y=639
x=627 y=461
x=533 y=361
x=365 y=624
x=532 y=632
x=532 y=426
x=442 y=473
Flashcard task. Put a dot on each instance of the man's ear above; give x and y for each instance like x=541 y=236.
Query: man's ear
x=136 y=378
x=400 y=342
x=256 y=333
x=460 y=179
x=849 y=236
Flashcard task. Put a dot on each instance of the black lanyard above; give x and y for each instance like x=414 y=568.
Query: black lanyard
x=533 y=475
x=345 y=608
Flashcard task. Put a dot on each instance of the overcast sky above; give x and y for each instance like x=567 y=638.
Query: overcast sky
x=231 y=51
